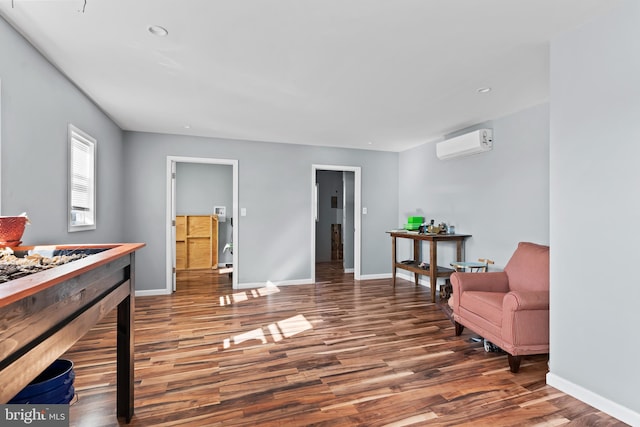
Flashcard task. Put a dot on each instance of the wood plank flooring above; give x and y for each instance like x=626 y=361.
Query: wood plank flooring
x=336 y=353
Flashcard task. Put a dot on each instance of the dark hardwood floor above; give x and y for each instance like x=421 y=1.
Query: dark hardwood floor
x=334 y=353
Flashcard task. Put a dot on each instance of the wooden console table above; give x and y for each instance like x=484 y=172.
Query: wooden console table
x=432 y=269
x=45 y=313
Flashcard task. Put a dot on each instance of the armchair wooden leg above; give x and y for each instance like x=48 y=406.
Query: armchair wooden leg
x=459 y=328
x=514 y=363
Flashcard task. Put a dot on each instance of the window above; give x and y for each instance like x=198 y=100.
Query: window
x=82 y=180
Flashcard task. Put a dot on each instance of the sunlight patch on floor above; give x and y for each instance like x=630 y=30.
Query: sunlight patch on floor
x=239 y=297
x=277 y=331
x=268 y=290
x=255 y=334
x=294 y=325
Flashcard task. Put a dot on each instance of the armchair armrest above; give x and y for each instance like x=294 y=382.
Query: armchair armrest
x=495 y=281
x=525 y=300
x=525 y=322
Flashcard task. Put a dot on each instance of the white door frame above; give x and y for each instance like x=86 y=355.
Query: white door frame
x=357 y=220
x=171 y=209
x=1 y=144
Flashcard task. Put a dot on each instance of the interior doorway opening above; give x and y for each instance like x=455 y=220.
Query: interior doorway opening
x=186 y=202
x=335 y=228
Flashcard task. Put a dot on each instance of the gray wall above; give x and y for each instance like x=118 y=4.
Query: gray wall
x=500 y=197
x=200 y=187
x=37 y=105
x=595 y=207
x=275 y=188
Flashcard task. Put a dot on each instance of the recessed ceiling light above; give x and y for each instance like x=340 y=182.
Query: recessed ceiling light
x=157 y=30
x=484 y=90
x=187 y=126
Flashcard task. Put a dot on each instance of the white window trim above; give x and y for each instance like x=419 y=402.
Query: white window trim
x=76 y=135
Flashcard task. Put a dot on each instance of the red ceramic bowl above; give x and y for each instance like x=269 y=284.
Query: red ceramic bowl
x=12 y=228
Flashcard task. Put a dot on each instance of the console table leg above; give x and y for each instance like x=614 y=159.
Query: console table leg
x=416 y=258
x=394 y=260
x=460 y=250
x=433 y=268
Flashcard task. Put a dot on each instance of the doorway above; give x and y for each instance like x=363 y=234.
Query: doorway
x=335 y=226
x=198 y=172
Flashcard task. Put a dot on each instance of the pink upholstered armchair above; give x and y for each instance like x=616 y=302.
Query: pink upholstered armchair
x=510 y=308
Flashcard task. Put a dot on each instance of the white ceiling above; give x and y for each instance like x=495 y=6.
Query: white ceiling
x=372 y=74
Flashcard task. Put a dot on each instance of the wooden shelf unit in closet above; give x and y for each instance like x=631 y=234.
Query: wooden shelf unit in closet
x=196 y=242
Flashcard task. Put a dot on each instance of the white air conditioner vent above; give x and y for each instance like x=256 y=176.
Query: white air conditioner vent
x=475 y=142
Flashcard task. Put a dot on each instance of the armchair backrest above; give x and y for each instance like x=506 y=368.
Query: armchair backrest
x=528 y=268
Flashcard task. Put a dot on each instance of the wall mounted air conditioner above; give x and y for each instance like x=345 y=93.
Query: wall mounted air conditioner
x=475 y=142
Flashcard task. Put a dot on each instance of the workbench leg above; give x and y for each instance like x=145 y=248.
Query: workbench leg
x=125 y=350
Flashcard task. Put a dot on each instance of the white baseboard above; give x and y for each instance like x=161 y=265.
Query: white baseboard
x=282 y=283
x=349 y=270
x=601 y=403
x=375 y=276
x=421 y=281
x=154 y=292
x=151 y=292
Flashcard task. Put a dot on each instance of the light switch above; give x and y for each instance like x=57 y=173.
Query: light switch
x=243 y=211
x=364 y=211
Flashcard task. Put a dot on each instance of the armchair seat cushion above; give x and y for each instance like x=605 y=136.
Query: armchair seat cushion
x=487 y=305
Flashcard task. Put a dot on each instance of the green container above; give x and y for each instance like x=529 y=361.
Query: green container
x=414 y=222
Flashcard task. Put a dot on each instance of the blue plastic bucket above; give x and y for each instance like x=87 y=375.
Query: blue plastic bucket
x=54 y=385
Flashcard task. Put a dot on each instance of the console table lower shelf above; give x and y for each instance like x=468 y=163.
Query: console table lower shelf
x=418 y=269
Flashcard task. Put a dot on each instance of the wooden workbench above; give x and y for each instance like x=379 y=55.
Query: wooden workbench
x=43 y=314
